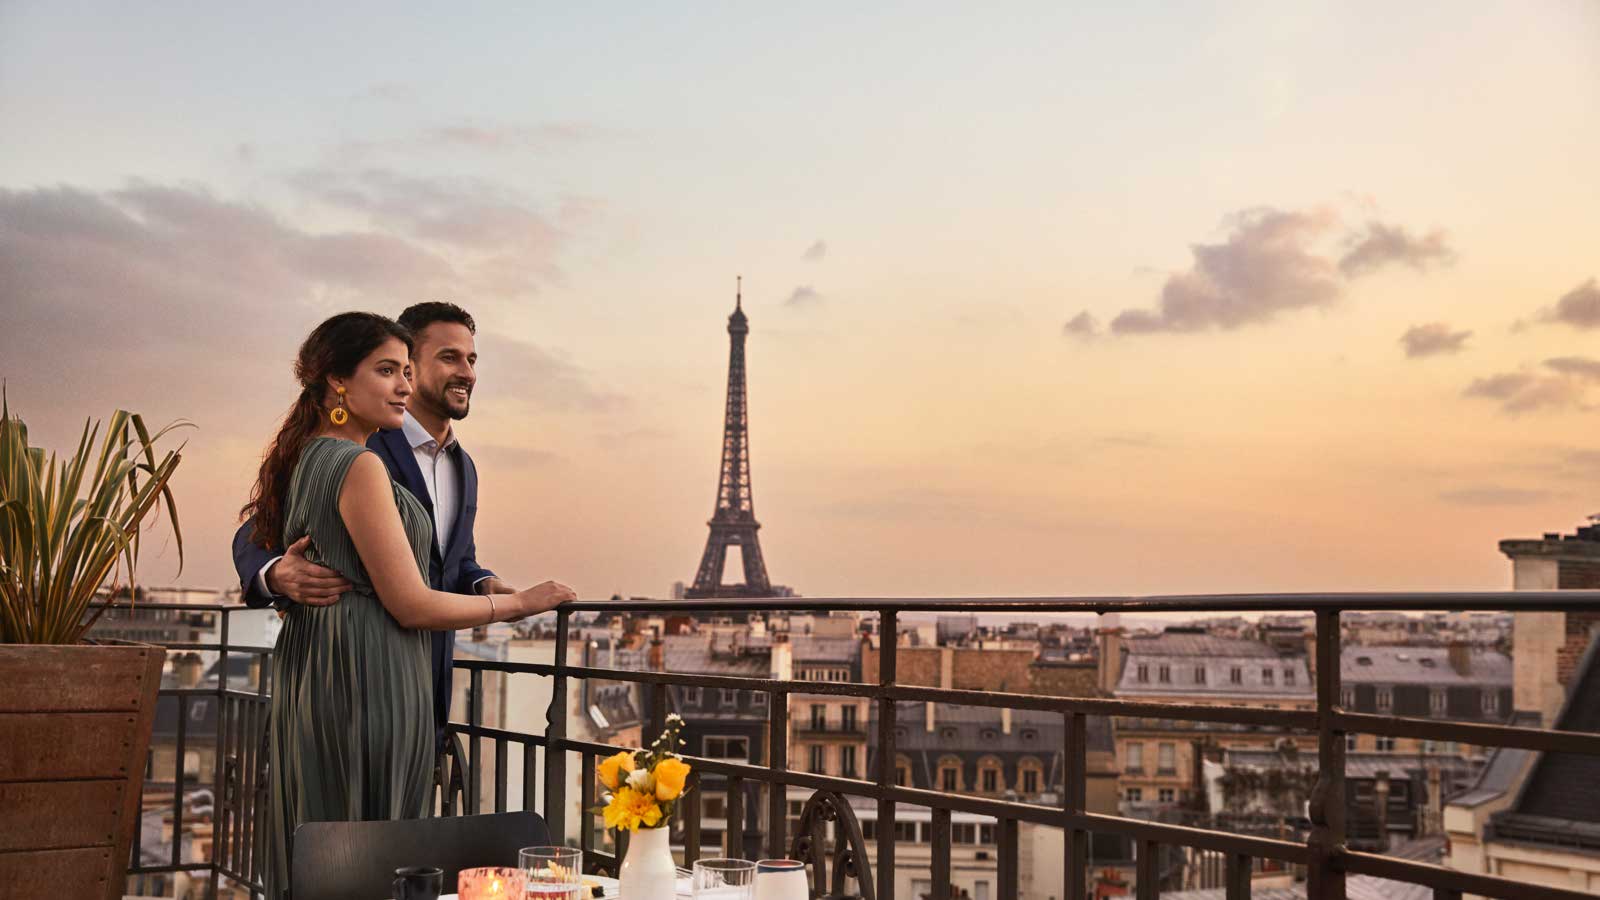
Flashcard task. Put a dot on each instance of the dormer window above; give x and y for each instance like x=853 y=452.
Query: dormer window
x=1363 y=660
x=1199 y=674
x=1144 y=673
x=1028 y=734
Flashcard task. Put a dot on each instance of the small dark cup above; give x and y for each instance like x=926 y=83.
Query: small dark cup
x=418 y=883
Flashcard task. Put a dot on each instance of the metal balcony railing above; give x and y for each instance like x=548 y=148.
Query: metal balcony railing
x=1323 y=853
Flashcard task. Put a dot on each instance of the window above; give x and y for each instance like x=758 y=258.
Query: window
x=1385 y=744
x=905 y=832
x=816 y=767
x=728 y=748
x=729 y=698
x=847 y=761
x=980 y=890
x=715 y=807
x=902 y=772
x=849 y=716
x=819 y=717
x=991 y=781
x=1266 y=676
x=1436 y=701
x=691 y=696
x=1144 y=673
x=1491 y=702
x=986 y=834
x=1030 y=781
x=1167 y=757
x=948 y=734
x=1236 y=675
x=1350 y=742
x=1164 y=674
x=1028 y=734
x=1134 y=795
x=1167 y=795
x=1347 y=697
x=1135 y=757
x=1288 y=676
x=950 y=773
x=1199 y=674
x=758 y=699
x=1385 y=699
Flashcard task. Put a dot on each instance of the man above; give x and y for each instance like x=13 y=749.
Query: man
x=424 y=456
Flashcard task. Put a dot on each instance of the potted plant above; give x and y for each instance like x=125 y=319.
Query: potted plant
x=642 y=791
x=75 y=717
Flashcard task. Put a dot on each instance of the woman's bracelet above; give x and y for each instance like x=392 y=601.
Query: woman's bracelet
x=491 y=609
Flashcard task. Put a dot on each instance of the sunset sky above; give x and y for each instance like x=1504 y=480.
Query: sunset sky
x=1132 y=298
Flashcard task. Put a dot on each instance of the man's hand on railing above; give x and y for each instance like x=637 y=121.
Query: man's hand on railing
x=542 y=597
x=302 y=580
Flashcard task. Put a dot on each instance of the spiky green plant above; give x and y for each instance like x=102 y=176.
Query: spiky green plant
x=66 y=525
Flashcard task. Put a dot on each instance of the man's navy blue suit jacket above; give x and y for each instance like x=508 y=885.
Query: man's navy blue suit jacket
x=453 y=569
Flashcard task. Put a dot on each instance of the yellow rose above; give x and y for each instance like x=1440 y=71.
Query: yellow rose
x=671 y=773
x=630 y=810
x=612 y=767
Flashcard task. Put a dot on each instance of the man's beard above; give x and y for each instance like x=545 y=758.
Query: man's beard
x=448 y=405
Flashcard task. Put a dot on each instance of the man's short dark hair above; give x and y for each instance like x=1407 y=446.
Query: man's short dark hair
x=421 y=315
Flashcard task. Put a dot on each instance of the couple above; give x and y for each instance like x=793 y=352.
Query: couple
x=380 y=569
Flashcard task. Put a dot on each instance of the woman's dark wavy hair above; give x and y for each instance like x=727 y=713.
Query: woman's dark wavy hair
x=333 y=348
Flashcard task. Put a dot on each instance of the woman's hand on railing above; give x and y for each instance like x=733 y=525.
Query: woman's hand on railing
x=542 y=597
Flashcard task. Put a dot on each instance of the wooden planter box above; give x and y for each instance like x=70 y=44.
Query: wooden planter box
x=74 y=730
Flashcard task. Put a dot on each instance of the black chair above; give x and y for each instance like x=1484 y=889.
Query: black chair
x=356 y=860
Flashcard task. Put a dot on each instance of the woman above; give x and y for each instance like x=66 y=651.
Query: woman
x=351 y=732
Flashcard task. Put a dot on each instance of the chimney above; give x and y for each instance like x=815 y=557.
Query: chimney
x=1005 y=713
x=190 y=669
x=1433 y=809
x=947 y=665
x=658 y=656
x=1380 y=797
x=1461 y=657
x=1110 y=663
x=782 y=658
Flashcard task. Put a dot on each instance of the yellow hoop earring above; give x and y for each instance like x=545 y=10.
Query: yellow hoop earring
x=339 y=415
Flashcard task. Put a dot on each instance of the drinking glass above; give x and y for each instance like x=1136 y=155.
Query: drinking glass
x=724 y=879
x=553 y=873
x=782 y=879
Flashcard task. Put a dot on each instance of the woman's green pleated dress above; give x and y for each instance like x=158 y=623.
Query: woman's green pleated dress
x=351 y=731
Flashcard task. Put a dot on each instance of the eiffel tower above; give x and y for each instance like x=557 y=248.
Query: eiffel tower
x=733 y=523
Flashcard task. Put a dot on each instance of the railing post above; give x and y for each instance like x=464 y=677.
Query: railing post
x=941 y=854
x=555 y=733
x=475 y=749
x=1074 y=796
x=1148 y=886
x=219 y=834
x=888 y=639
x=1325 y=880
x=777 y=764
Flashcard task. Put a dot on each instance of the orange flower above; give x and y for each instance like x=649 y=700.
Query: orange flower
x=631 y=810
x=671 y=773
x=611 y=769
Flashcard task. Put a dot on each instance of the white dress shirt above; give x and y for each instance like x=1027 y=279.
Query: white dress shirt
x=439 y=473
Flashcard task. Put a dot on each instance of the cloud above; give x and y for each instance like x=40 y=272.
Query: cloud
x=1579 y=366
x=507 y=137
x=1494 y=495
x=1522 y=392
x=1432 y=339
x=523 y=373
x=507 y=245
x=1579 y=307
x=1382 y=245
x=181 y=303
x=1265 y=267
x=1082 y=326
x=1273 y=262
x=804 y=295
x=816 y=251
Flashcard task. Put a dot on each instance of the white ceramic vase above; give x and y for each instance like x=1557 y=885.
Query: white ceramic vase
x=648 y=872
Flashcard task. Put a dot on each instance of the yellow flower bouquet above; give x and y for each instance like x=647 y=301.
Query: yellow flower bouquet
x=643 y=787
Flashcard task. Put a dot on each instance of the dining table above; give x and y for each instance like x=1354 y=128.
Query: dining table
x=609 y=889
